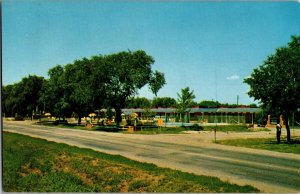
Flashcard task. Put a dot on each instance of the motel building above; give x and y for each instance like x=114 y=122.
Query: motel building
x=200 y=115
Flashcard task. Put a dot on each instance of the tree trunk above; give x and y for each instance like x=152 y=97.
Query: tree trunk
x=286 y=122
x=118 y=117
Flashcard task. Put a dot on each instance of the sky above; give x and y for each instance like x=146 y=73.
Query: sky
x=207 y=46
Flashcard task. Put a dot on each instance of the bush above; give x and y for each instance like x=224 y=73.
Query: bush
x=57 y=122
x=19 y=118
x=196 y=127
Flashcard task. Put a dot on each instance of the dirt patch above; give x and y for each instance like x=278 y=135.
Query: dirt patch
x=26 y=170
x=62 y=163
x=112 y=176
x=95 y=162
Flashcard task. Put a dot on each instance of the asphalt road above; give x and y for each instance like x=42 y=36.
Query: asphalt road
x=268 y=171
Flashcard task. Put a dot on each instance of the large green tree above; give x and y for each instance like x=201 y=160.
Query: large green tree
x=101 y=81
x=185 y=101
x=78 y=78
x=128 y=72
x=10 y=100
x=77 y=87
x=22 y=97
x=276 y=83
x=53 y=96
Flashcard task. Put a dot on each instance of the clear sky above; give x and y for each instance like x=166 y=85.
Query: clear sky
x=209 y=46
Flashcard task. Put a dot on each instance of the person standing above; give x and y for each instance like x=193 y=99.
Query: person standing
x=278 y=132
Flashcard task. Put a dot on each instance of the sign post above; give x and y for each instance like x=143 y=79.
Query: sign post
x=160 y=122
x=215 y=130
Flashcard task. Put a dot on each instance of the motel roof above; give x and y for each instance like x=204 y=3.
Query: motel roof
x=194 y=110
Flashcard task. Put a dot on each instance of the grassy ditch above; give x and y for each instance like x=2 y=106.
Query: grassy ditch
x=265 y=144
x=36 y=165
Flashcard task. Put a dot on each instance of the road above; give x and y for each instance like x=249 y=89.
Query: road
x=268 y=171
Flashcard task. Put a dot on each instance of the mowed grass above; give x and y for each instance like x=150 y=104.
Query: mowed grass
x=36 y=165
x=265 y=144
x=233 y=128
x=160 y=130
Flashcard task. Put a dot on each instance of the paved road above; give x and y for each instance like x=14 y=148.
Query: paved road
x=266 y=170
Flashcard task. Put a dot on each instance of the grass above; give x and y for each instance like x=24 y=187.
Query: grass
x=112 y=128
x=159 y=130
x=233 y=128
x=36 y=165
x=107 y=128
x=265 y=144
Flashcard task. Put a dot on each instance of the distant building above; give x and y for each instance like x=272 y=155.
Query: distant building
x=204 y=115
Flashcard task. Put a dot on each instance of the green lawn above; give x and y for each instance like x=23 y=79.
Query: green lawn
x=159 y=130
x=36 y=165
x=107 y=128
x=266 y=144
x=233 y=128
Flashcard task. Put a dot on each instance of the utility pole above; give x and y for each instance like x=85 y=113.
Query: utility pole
x=237 y=100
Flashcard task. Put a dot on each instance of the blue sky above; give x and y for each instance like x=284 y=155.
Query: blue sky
x=209 y=46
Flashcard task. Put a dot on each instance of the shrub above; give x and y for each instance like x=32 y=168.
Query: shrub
x=57 y=122
x=196 y=127
x=19 y=118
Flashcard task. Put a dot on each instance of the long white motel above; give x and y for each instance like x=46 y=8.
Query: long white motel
x=200 y=115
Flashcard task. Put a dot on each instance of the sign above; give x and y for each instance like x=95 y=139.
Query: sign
x=160 y=122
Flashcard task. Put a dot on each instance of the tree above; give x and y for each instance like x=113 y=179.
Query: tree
x=156 y=82
x=9 y=100
x=54 y=96
x=22 y=97
x=78 y=78
x=139 y=102
x=185 y=101
x=129 y=72
x=253 y=105
x=78 y=87
x=276 y=83
x=164 y=102
x=209 y=104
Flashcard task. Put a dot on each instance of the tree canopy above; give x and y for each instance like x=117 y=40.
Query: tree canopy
x=157 y=81
x=128 y=72
x=22 y=97
x=276 y=83
x=209 y=104
x=163 y=102
x=139 y=102
x=90 y=84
